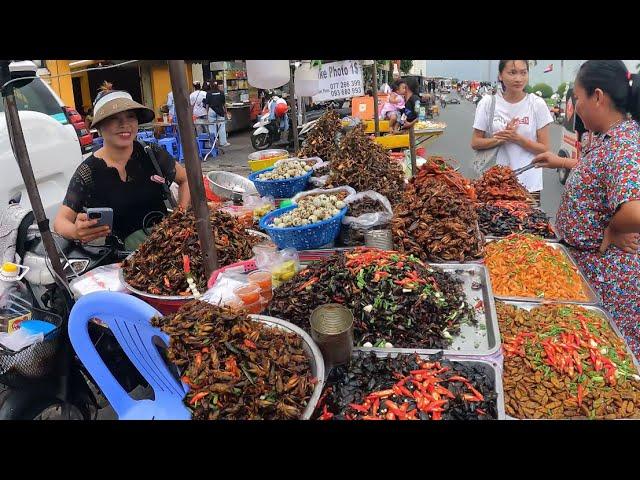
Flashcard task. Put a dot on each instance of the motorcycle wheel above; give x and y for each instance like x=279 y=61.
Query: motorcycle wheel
x=261 y=141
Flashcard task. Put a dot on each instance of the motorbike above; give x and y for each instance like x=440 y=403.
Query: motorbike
x=558 y=114
x=268 y=133
x=70 y=393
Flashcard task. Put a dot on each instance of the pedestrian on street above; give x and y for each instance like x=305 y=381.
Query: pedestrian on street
x=520 y=124
x=599 y=215
x=217 y=112
x=199 y=110
x=412 y=104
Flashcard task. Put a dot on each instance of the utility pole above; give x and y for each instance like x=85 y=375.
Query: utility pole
x=294 y=110
x=376 y=121
x=192 y=165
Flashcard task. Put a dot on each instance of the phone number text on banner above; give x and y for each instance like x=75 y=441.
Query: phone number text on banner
x=340 y=80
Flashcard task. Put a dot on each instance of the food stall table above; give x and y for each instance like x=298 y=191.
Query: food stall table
x=424 y=136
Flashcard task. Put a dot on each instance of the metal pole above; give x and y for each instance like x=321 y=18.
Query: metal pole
x=412 y=149
x=294 y=109
x=192 y=164
x=19 y=147
x=375 y=99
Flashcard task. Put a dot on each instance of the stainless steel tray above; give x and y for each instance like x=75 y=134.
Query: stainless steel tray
x=490 y=369
x=481 y=340
x=529 y=306
x=593 y=298
x=312 y=351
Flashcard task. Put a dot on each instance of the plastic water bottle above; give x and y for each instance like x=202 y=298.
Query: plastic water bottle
x=423 y=114
x=15 y=300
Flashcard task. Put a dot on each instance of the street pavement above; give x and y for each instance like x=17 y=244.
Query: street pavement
x=454 y=143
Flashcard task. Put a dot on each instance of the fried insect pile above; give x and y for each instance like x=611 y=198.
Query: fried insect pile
x=408 y=388
x=236 y=368
x=394 y=298
x=504 y=217
x=499 y=183
x=158 y=267
x=364 y=165
x=321 y=140
x=437 y=221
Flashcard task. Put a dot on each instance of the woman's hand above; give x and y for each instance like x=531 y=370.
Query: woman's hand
x=627 y=242
x=510 y=133
x=85 y=231
x=549 y=160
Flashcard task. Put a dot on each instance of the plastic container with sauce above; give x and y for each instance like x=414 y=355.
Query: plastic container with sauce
x=255 y=307
x=248 y=293
x=262 y=278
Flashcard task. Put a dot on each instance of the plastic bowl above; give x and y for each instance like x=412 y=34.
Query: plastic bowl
x=247 y=293
x=262 y=278
x=266 y=159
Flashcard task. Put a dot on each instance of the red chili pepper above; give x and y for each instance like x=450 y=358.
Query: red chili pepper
x=381 y=394
x=198 y=360
x=369 y=417
x=166 y=282
x=436 y=406
x=249 y=344
x=389 y=416
x=197 y=397
x=478 y=395
x=359 y=408
x=376 y=406
x=186 y=380
x=444 y=391
x=480 y=411
x=406 y=391
x=457 y=378
x=326 y=415
x=186 y=264
x=437 y=415
x=479 y=305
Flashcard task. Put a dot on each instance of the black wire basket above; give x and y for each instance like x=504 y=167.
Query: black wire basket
x=36 y=362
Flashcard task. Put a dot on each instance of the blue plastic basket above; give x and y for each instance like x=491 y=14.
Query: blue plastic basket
x=305 y=237
x=280 y=188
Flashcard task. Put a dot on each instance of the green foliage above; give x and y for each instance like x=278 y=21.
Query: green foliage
x=546 y=90
x=562 y=89
x=405 y=65
x=528 y=89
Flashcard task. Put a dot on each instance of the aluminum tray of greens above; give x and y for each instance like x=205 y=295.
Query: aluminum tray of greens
x=544 y=270
x=393 y=386
x=397 y=299
x=566 y=361
x=474 y=339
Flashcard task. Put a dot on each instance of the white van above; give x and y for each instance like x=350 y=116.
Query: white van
x=53 y=137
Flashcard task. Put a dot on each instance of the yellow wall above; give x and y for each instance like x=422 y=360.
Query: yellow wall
x=86 y=94
x=161 y=84
x=61 y=85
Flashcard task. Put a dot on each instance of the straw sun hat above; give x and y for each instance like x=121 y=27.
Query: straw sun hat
x=110 y=102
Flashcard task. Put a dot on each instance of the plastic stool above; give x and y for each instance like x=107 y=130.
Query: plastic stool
x=170 y=144
x=129 y=319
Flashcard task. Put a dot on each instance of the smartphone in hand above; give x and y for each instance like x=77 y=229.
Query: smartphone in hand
x=105 y=219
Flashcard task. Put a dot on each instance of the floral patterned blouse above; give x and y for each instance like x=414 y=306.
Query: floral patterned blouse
x=607 y=176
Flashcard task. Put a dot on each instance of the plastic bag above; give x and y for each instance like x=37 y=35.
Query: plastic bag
x=260 y=206
x=284 y=266
x=221 y=293
x=328 y=191
x=354 y=228
x=19 y=339
x=369 y=220
x=104 y=278
x=319 y=181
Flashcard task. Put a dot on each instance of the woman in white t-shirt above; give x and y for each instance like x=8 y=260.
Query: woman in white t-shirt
x=520 y=124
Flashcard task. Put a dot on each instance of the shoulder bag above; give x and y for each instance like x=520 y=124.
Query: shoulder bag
x=484 y=159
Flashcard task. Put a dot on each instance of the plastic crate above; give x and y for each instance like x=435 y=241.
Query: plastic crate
x=305 y=237
x=280 y=188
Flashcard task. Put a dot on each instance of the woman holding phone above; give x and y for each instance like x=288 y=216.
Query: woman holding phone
x=599 y=215
x=520 y=122
x=120 y=176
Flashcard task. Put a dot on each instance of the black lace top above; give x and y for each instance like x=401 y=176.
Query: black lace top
x=94 y=184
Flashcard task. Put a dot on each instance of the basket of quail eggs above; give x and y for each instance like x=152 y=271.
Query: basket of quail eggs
x=312 y=222
x=284 y=180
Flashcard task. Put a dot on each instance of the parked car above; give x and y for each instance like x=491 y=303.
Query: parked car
x=55 y=136
x=452 y=99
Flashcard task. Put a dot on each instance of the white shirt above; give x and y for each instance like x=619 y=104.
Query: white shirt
x=171 y=105
x=385 y=88
x=533 y=114
x=195 y=99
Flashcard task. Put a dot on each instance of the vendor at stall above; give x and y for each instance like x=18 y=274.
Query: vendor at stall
x=599 y=215
x=120 y=175
x=412 y=104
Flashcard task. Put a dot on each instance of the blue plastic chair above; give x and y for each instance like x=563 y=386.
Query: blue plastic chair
x=204 y=141
x=129 y=319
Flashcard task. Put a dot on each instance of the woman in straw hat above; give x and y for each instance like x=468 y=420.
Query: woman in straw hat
x=120 y=175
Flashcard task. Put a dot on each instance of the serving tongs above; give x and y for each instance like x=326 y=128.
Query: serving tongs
x=523 y=169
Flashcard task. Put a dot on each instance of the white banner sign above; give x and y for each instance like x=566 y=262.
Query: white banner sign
x=340 y=80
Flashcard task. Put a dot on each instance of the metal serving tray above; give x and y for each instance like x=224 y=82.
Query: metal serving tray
x=312 y=351
x=556 y=239
x=529 y=306
x=593 y=298
x=481 y=340
x=491 y=371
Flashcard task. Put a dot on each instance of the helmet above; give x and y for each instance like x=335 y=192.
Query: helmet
x=281 y=109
